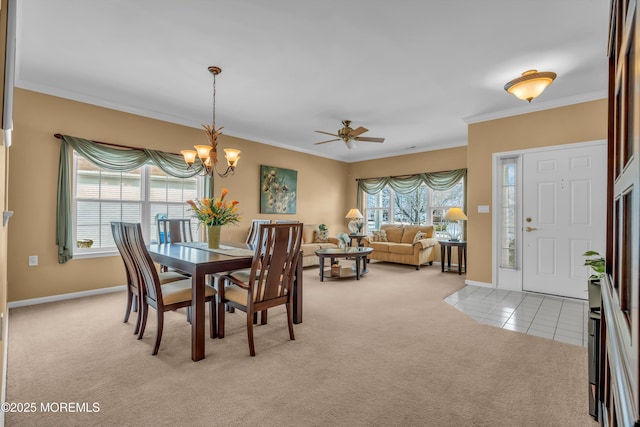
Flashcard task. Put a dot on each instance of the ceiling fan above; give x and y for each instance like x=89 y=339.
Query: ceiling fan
x=349 y=135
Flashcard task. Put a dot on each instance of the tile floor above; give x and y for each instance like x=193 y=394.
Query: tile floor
x=556 y=318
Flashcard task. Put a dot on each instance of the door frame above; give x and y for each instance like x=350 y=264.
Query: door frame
x=511 y=279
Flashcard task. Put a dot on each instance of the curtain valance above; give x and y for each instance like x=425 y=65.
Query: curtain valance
x=105 y=157
x=406 y=184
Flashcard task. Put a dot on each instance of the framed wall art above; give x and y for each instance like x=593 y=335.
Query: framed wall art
x=278 y=190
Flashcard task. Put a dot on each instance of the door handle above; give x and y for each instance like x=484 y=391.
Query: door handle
x=530 y=229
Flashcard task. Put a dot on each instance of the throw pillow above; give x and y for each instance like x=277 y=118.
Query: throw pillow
x=419 y=236
x=321 y=236
x=380 y=236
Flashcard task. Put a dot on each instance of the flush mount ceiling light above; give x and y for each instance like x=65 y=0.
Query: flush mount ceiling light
x=208 y=154
x=530 y=84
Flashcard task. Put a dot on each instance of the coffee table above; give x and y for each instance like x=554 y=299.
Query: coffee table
x=359 y=254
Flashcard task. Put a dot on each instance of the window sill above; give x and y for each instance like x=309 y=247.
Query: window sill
x=96 y=254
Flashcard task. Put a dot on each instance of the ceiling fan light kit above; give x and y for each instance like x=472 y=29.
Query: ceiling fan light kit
x=349 y=135
x=530 y=85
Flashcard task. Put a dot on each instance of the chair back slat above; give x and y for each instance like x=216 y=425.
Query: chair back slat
x=142 y=261
x=275 y=260
x=174 y=230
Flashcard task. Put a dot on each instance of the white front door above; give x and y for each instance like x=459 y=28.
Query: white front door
x=563 y=215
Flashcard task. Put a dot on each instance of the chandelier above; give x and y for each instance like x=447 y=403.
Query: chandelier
x=208 y=154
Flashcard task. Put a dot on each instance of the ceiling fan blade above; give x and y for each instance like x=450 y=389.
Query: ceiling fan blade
x=366 y=139
x=324 y=142
x=358 y=131
x=327 y=133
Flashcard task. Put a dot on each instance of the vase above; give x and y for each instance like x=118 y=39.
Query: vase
x=213 y=236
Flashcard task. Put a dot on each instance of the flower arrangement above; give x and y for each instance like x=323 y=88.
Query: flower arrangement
x=215 y=211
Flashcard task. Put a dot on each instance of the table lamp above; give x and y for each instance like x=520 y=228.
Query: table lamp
x=454 y=229
x=356 y=223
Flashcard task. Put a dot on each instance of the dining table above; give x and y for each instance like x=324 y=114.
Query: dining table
x=195 y=259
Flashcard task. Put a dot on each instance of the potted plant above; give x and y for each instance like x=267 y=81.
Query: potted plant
x=344 y=240
x=596 y=262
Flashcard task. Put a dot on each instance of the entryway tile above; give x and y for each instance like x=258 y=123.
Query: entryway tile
x=546 y=316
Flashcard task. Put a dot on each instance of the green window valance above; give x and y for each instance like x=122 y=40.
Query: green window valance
x=115 y=159
x=408 y=183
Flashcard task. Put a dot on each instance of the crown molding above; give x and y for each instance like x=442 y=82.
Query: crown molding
x=531 y=108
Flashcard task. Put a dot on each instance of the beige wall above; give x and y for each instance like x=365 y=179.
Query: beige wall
x=565 y=125
x=33 y=183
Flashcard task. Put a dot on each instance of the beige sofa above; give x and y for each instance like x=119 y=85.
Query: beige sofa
x=309 y=246
x=400 y=247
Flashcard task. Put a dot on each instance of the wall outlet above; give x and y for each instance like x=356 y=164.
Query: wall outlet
x=33 y=260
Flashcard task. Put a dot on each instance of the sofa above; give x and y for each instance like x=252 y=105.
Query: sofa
x=312 y=240
x=310 y=244
x=400 y=246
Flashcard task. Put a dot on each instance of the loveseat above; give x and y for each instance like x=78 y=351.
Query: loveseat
x=398 y=243
x=312 y=241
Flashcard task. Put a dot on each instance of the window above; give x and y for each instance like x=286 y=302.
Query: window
x=421 y=207
x=508 y=204
x=141 y=195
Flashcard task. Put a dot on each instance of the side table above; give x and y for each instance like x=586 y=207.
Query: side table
x=445 y=254
x=357 y=238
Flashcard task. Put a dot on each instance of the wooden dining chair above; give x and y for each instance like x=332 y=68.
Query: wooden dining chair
x=270 y=280
x=133 y=292
x=162 y=298
x=252 y=237
x=174 y=230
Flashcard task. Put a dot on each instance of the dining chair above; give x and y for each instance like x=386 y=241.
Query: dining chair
x=174 y=230
x=162 y=298
x=270 y=280
x=132 y=285
x=252 y=237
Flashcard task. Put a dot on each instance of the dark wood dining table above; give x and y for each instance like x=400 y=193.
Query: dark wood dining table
x=199 y=263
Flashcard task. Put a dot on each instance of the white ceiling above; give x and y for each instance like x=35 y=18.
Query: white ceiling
x=414 y=72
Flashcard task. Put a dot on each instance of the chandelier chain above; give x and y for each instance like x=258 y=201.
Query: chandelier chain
x=213 y=123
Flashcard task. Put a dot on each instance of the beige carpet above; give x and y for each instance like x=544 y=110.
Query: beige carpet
x=385 y=350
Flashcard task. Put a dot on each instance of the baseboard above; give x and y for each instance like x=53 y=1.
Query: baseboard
x=62 y=297
x=483 y=284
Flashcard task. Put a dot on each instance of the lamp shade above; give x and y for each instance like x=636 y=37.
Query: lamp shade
x=455 y=214
x=530 y=85
x=232 y=155
x=189 y=156
x=354 y=213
